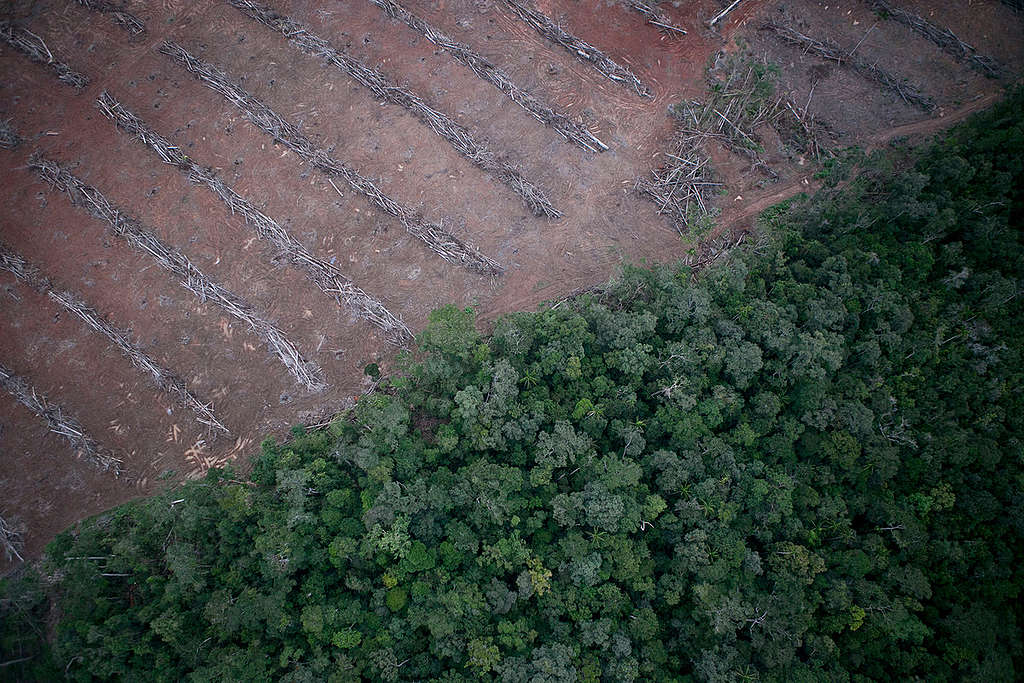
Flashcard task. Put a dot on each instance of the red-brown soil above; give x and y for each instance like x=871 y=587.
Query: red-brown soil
x=44 y=486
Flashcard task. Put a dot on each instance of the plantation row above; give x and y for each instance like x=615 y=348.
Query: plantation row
x=323 y=274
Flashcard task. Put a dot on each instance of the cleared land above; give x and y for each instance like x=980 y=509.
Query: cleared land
x=404 y=156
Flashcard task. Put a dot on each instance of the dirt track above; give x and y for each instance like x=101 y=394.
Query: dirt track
x=604 y=224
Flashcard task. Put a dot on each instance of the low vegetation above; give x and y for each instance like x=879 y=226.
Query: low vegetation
x=803 y=463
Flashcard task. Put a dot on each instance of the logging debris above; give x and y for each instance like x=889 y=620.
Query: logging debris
x=9 y=138
x=126 y=20
x=654 y=16
x=487 y=71
x=164 y=379
x=34 y=47
x=325 y=275
x=578 y=47
x=60 y=422
x=435 y=236
x=306 y=372
x=476 y=151
x=944 y=38
x=831 y=51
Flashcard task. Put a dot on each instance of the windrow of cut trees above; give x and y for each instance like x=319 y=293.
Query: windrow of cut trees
x=805 y=463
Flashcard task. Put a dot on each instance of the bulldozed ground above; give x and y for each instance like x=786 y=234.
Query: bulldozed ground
x=298 y=191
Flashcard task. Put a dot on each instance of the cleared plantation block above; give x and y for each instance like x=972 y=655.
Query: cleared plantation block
x=578 y=48
x=59 y=422
x=440 y=241
x=367 y=67
x=385 y=89
x=828 y=50
x=129 y=22
x=165 y=379
x=327 y=277
x=306 y=372
x=33 y=47
x=491 y=73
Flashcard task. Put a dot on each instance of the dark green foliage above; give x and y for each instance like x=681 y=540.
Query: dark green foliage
x=807 y=465
x=24 y=652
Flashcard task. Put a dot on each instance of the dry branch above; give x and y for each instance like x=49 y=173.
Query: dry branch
x=578 y=48
x=129 y=22
x=162 y=377
x=59 y=422
x=32 y=46
x=721 y=15
x=9 y=138
x=191 y=278
x=489 y=72
x=442 y=242
x=830 y=51
x=11 y=541
x=653 y=16
x=325 y=275
x=944 y=38
x=457 y=135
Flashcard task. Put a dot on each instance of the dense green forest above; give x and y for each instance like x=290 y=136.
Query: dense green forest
x=803 y=463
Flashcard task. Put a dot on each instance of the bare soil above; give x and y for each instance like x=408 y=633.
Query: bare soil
x=42 y=483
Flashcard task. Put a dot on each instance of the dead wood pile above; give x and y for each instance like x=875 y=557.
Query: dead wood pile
x=489 y=72
x=32 y=46
x=732 y=111
x=712 y=250
x=324 y=274
x=59 y=422
x=162 y=377
x=383 y=88
x=684 y=185
x=442 y=242
x=801 y=129
x=578 y=48
x=126 y=20
x=306 y=372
